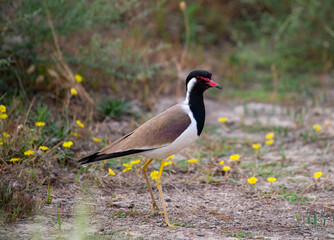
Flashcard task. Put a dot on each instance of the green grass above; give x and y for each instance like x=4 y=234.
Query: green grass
x=241 y=235
x=109 y=235
x=176 y=222
x=123 y=214
x=258 y=94
x=266 y=170
x=316 y=223
x=15 y=204
x=58 y=218
x=256 y=128
x=113 y=108
x=48 y=197
x=246 y=235
x=293 y=197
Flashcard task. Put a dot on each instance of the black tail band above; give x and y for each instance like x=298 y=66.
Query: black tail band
x=98 y=157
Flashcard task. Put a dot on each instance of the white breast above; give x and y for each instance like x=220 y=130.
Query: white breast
x=188 y=137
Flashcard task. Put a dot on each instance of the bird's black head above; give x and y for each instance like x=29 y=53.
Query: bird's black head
x=201 y=79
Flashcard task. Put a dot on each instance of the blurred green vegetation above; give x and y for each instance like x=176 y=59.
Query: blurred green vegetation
x=123 y=47
x=110 y=107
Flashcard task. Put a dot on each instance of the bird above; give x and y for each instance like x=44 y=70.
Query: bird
x=165 y=134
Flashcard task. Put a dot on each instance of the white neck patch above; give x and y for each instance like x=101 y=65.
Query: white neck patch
x=190 y=86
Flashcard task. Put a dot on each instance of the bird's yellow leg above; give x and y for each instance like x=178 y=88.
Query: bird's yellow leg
x=154 y=204
x=161 y=195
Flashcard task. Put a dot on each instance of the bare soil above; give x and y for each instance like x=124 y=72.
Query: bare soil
x=224 y=208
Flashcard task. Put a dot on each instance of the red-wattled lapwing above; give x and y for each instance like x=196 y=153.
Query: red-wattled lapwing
x=165 y=134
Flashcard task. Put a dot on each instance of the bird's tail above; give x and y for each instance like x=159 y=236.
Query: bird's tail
x=101 y=156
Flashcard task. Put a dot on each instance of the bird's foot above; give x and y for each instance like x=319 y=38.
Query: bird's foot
x=171 y=226
x=155 y=208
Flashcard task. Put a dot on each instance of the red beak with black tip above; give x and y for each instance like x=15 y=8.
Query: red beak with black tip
x=214 y=84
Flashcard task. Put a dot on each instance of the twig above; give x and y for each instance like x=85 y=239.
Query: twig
x=63 y=67
x=26 y=117
x=307 y=188
x=21 y=86
x=54 y=35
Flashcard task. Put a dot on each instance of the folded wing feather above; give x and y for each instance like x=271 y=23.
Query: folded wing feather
x=158 y=132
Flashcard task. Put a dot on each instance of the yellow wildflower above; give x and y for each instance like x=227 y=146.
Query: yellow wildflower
x=170 y=157
x=74 y=91
x=135 y=162
x=75 y=134
x=43 y=148
x=29 y=152
x=13 y=160
x=252 y=180
x=222 y=119
x=235 y=157
x=3 y=115
x=80 y=124
x=192 y=160
x=256 y=146
x=226 y=168
x=126 y=169
x=1 y=142
x=318 y=174
x=270 y=135
x=67 y=144
x=95 y=139
x=271 y=179
x=270 y=142
x=39 y=124
x=221 y=162
x=6 y=135
x=317 y=127
x=127 y=165
x=78 y=78
x=2 y=108
x=111 y=172
x=154 y=175
x=168 y=163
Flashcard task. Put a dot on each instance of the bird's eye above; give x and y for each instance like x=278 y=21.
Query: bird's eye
x=198 y=78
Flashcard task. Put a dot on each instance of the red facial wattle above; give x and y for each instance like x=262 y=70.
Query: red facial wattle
x=208 y=81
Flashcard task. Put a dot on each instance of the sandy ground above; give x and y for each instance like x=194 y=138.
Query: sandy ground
x=225 y=208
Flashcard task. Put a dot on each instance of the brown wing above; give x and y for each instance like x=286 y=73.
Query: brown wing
x=160 y=131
